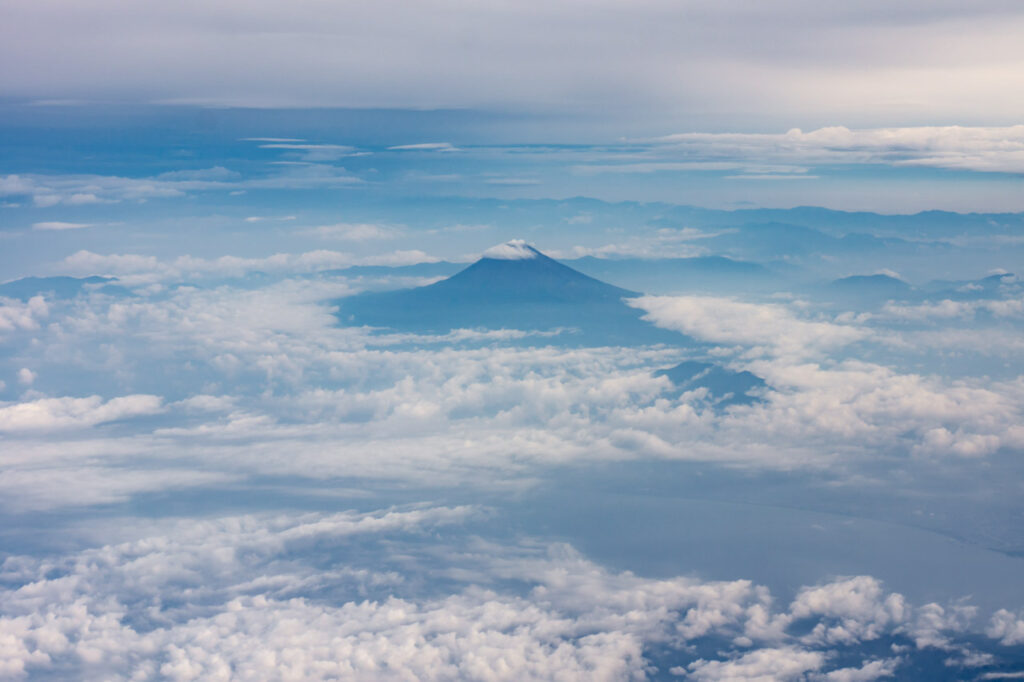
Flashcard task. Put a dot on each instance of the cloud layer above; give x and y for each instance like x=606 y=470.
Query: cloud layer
x=269 y=597
x=268 y=371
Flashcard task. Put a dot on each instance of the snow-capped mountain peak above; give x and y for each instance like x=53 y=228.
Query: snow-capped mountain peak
x=516 y=249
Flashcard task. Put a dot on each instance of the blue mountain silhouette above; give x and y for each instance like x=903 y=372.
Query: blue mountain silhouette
x=725 y=386
x=513 y=286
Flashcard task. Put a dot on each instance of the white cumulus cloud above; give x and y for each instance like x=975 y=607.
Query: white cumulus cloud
x=63 y=413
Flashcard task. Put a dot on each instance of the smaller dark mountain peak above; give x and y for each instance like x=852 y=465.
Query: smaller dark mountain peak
x=725 y=386
x=1000 y=278
x=868 y=289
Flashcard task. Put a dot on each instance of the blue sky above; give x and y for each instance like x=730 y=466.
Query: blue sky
x=256 y=422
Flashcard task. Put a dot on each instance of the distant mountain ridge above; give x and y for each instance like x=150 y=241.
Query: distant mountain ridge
x=877 y=286
x=698 y=274
x=60 y=287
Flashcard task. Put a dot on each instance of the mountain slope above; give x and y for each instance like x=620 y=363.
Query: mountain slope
x=518 y=273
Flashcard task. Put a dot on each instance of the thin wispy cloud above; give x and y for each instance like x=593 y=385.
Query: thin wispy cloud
x=72 y=190
x=356 y=232
x=427 y=147
x=983 y=149
x=316 y=152
x=58 y=225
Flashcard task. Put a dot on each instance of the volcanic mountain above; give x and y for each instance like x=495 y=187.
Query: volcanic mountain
x=724 y=387
x=512 y=286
